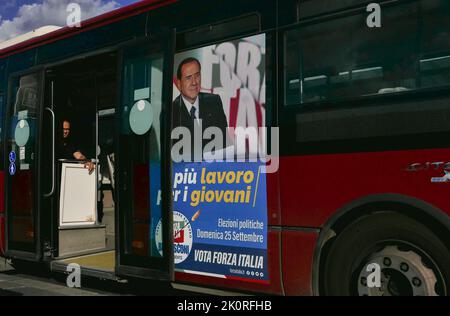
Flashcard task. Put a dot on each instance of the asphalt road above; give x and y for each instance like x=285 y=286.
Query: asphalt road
x=39 y=283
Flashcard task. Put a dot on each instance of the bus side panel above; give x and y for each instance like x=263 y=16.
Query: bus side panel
x=297 y=261
x=2 y=235
x=335 y=180
x=2 y=212
x=2 y=193
x=273 y=287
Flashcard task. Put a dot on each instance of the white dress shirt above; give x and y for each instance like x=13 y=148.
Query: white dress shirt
x=189 y=106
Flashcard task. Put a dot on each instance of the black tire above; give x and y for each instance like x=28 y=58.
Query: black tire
x=367 y=238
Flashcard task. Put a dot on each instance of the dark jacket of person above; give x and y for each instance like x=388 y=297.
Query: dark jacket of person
x=211 y=114
x=66 y=148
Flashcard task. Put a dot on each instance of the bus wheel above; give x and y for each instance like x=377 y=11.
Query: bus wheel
x=387 y=254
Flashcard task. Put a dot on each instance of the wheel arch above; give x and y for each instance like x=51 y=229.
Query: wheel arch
x=432 y=217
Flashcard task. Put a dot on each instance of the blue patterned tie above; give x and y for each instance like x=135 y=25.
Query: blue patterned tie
x=193 y=109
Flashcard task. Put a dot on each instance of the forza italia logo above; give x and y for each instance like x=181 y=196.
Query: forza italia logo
x=183 y=237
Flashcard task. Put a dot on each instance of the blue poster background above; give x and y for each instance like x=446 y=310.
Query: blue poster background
x=220 y=229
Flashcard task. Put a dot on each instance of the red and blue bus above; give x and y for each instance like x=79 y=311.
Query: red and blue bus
x=359 y=114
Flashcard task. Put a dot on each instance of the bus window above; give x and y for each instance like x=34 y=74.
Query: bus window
x=245 y=24
x=26 y=97
x=322 y=63
x=435 y=43
x=141 y=145
x=22 y=150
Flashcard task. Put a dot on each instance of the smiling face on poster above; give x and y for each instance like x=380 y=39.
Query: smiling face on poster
x=217 y=89
x=235 y=71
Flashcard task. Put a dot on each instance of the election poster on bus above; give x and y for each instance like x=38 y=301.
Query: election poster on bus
x=219 y=204
x=220 y=221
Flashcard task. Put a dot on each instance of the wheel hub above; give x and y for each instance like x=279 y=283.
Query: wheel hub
x=401 y=273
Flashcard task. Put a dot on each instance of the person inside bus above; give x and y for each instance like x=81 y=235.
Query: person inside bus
x=192 y=105
x=68 y=150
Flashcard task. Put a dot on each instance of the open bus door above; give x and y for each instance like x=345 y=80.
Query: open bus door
x=142 y=164
x=23 y=183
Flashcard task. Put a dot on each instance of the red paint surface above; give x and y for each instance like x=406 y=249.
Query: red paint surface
x=141 y=193
x=273 y=201
x=2 y=192
x=2 y=235
x=22 y=193
x=297 y=261
x=314 y=187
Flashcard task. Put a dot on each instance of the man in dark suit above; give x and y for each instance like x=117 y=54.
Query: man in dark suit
x=191 y=106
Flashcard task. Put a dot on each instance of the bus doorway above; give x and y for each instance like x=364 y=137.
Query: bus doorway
x=145 y=227
x=23 y=183
x=82 y=95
